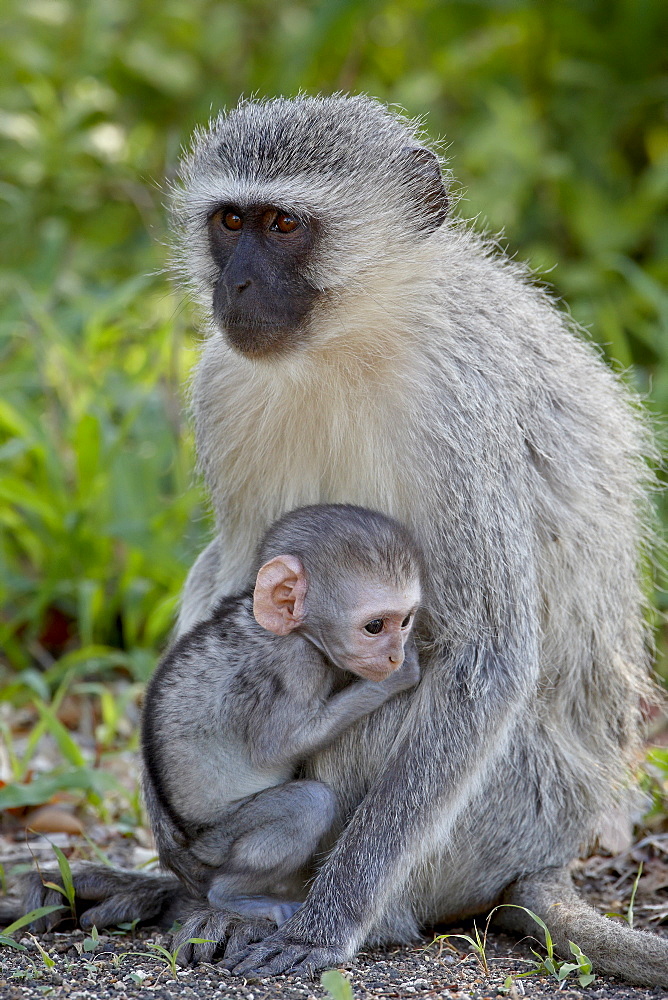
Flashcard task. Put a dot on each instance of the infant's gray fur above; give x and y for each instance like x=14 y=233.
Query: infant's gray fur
x=233 y=708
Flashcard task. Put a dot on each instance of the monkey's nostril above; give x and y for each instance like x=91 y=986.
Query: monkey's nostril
x=241 y=285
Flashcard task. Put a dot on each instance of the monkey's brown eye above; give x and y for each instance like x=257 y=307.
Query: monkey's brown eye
x=232 y=220
x=374 y=627
x=285 y=223
x=406 y=622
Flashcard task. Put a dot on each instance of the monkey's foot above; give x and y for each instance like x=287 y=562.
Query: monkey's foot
x=281 y=953
x=215 y=930
x=103 y=896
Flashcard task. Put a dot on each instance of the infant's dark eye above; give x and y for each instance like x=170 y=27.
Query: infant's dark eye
x=374 y=627
x=406 y=622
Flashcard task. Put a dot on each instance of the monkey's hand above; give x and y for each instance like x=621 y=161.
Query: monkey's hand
x=284 y=951
x=103 y=896
x=216 y=929
x=408 y=674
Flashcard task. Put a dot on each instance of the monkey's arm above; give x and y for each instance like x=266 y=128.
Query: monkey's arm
x=305 y=737
x=431 y=775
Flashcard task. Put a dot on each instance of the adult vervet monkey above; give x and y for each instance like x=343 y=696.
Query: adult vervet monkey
x=366 y=347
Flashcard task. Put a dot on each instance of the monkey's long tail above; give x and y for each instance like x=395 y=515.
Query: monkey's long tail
x=638 y=957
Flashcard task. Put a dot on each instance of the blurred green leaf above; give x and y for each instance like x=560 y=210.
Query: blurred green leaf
x=44 y=786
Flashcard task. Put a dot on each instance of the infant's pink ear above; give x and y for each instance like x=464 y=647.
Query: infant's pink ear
x=278 y=598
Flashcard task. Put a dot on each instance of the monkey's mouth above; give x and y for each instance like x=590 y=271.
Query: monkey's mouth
x=256 y=340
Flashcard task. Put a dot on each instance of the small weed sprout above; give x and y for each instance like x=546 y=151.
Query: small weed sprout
x=629 y=916
x=550 y=964
x=47 y=961
x=337 y=985
x=127 y=927
x=67 y=888
x=92 y=943
x=167 y=956
x=170 y=958
x=30 y=973
x=477 y=943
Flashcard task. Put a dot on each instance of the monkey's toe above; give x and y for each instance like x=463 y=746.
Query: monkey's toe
x=207 y=931
x=276 y=956
x=37 y=894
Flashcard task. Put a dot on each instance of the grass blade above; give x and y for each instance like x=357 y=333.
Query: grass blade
x=28 y=918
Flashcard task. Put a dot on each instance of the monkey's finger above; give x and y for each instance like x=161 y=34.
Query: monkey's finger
x=300 y=959
x=193 y=954
x=270 y=959
x=36 y=895
x=248 y=932
x=188 y=953
x=235 y=956
x=317 y=959
x=258 y=958
x=203 y=925
x=236 y=951
x=211 y=928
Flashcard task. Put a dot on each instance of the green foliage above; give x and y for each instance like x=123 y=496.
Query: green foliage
x=545 y=965
x=554 y=112
x=92 y=943
x=47 y=961
x=629 y=916
x=656 y=783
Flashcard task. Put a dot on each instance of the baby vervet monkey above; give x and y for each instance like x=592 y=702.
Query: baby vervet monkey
x=271 y=677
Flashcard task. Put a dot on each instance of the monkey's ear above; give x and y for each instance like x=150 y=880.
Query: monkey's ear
x=427 y=183
x=278 y=598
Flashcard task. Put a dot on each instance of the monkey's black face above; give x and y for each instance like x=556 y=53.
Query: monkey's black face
x=261 y=299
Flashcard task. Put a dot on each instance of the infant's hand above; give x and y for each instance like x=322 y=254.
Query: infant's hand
x=408 y=674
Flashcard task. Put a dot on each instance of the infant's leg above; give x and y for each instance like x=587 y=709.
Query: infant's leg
x=265 y=839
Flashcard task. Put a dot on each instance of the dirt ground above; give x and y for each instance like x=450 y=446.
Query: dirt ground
x=74 y=965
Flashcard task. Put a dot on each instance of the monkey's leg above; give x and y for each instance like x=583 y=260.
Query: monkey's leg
x=614 y=949
x=116 y=896
x=272 y=835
